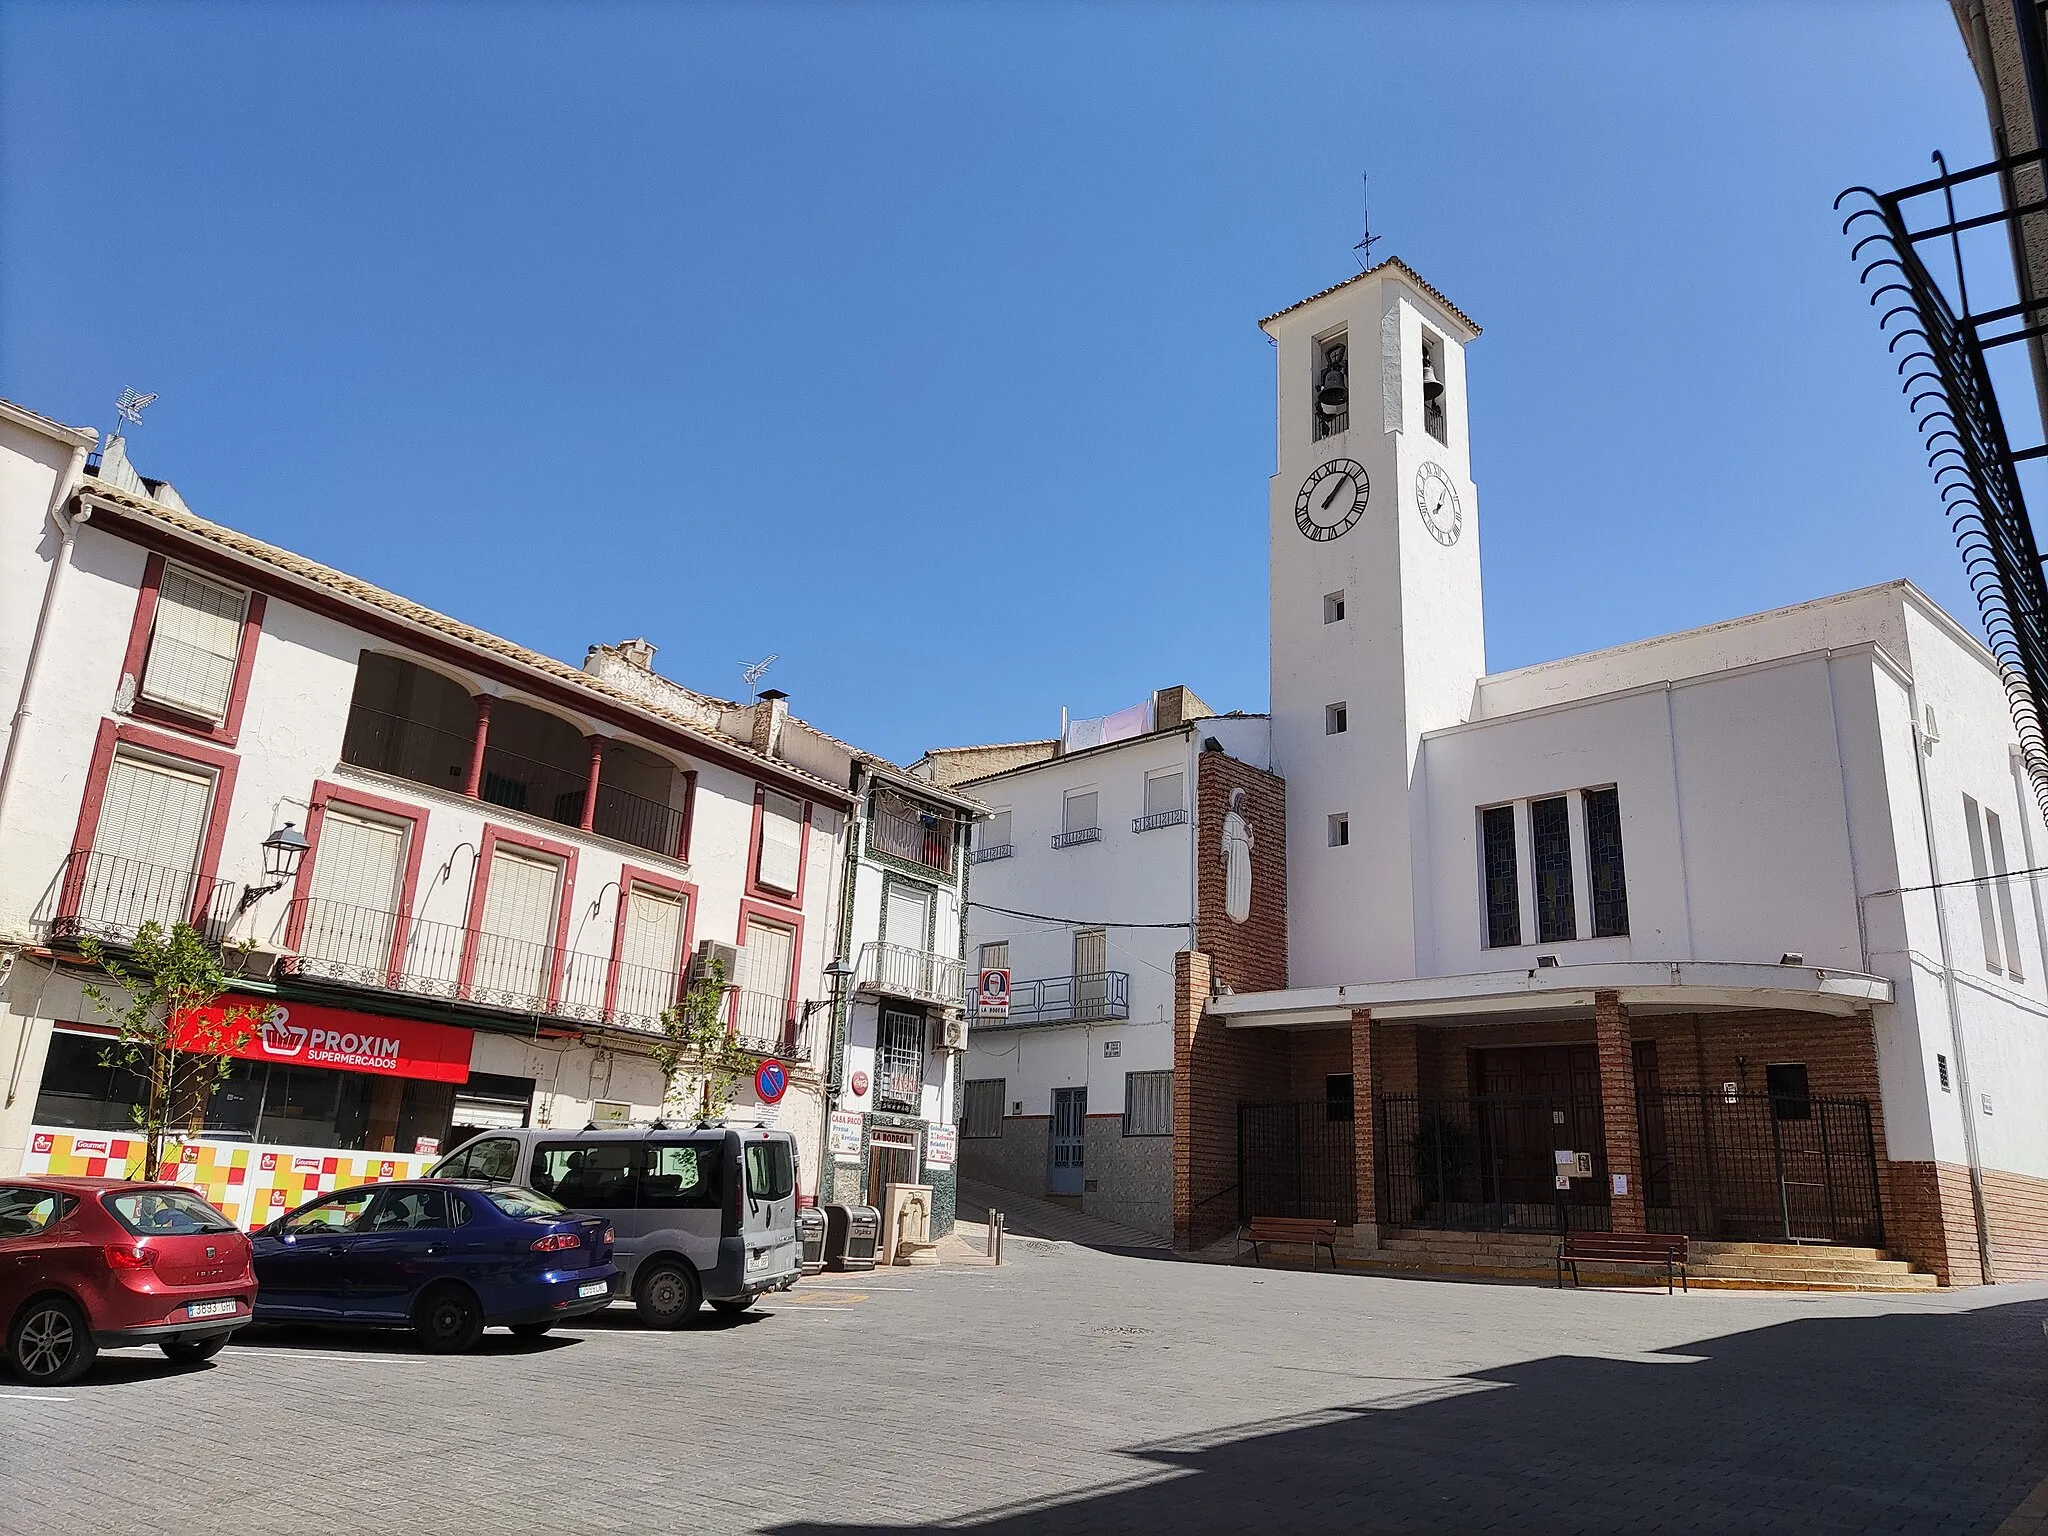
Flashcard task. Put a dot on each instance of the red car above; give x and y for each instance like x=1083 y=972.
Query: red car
x=86 y=1264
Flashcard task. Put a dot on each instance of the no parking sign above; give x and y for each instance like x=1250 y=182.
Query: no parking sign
x=771 y=1081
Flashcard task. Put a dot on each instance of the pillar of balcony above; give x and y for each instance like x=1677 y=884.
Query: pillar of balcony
x=474 y=782
x=596 y=745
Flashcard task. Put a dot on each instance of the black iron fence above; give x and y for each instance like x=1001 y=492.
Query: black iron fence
x=109 y=898
x=635 y=819
x=1757 y=1167
x=1295 y=1160
x=1489 y=1163
x=406 y=749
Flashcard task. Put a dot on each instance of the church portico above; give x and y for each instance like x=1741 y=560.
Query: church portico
x=1689 y=1102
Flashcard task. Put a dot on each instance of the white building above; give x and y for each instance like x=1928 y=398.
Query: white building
x=512 y=861
x=1070 y=1094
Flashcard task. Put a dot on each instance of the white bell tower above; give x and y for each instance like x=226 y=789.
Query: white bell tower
x=1377 y=631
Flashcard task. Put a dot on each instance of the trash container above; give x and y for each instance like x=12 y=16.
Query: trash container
x=810 y=1230
x=851 y=1234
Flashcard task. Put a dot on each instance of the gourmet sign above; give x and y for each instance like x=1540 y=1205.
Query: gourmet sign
x=310 y=1035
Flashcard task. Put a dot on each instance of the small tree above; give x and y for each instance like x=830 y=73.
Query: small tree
x=696 y=1043
x=167 y=987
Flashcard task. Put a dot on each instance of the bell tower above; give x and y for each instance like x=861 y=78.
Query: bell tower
x=1377 y=631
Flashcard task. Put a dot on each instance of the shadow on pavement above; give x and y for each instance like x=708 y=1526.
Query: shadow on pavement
x=1928 y=1421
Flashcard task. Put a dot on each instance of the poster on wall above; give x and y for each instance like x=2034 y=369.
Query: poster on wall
x=844 y=1136
x=940 y=1143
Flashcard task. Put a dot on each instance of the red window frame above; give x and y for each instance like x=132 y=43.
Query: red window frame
x=349 y=797
x=782 y=917
x=755 y=889
x=221 y=765
x=493 y=834
x=631 y=875
x=135 y=661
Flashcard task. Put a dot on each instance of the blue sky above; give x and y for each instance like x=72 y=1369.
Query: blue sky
x=918 y=344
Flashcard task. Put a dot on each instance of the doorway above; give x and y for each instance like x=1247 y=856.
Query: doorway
x=1069 y=1134
x=892 y=1159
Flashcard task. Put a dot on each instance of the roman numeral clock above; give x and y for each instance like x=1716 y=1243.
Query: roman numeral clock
x=1332 y=500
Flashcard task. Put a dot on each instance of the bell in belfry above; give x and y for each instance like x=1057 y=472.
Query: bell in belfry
x=1333 y=389
x=1432 y=386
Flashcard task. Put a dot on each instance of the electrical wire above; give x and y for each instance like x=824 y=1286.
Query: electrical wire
x=1078 y=922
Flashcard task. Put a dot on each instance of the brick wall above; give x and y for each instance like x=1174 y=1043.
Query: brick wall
x=1314 y=1055
x=1937 y=1222
x=1250 y=956
x=1214 y=1070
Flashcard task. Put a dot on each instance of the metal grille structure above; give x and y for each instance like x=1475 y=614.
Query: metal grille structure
x=1489 y=1163
x=1294 y=1160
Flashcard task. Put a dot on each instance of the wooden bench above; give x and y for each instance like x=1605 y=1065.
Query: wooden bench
x=1664 y=1248
x=1306 y=1230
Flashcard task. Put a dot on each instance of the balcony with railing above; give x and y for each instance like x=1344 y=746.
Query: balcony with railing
x=1102 y=996
x=391 y=952
x=923 y=838
x=771 y=1025
x=917 y=975
x=1074 y=836
x=1173 y=818
x=106 y=897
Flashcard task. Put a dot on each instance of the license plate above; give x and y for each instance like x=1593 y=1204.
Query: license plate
x=210 y=1309
x=593 y=1288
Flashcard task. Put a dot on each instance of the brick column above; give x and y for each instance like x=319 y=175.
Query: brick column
x=1618 y=1108
x=474 y=783
x=596 y=745
x=1190 y=997
x=1364 y=1170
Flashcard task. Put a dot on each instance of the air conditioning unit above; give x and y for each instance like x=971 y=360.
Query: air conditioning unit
x=710 y=951
x=256 y=961
x=953 y=1032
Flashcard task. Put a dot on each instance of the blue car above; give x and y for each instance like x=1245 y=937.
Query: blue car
x=446 y=1260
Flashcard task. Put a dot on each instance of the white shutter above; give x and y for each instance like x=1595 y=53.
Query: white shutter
x=654 y=930
x=518 y=927
x=1162 y=793
x=1091 y=952
x=905 y=919
x=353 y=913
x=995 y=832
x=649 y=953
x=146 y=846
x=996 y=956
x=153 y=814
x=781 y=842
x=193 y=644
x=1080 y=811
x=769 y=949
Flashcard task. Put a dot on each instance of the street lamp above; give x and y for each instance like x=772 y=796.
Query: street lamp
x=282 y=851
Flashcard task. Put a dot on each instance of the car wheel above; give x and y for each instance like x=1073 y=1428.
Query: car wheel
x=530 y=1330
x=734 y=1307
x=667 y=1295
x=448 y=1320
x=192 y=1351
x=51 y=1343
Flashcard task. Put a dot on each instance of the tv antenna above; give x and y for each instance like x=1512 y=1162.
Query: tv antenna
x=751 y=672
x=1362 y=251
x=130 y=406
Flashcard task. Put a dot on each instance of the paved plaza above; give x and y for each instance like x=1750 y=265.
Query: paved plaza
x=1077 y=1389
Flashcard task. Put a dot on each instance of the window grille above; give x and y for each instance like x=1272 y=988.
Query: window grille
x=1503 y=886
x=1148 y=1104
x=1603 y=859
x=981 y=1107
x=194 y=643
x=899 y=1062
x=1550 y=837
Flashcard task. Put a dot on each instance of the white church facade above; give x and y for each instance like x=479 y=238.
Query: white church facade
x=1743 y=919
x=1745 y=914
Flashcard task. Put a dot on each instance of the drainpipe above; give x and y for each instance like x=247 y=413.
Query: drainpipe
x=841 y=1015
x=1955 y=1011
x=67 y=529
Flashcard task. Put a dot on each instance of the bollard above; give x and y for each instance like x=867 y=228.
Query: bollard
x=995 y=1236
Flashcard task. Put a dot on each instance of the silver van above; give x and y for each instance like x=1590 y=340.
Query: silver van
x=700 y=1212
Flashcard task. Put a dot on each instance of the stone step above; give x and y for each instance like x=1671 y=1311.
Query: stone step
x=1593 y=1275
x=1704 y=1245
x=1757 y=1264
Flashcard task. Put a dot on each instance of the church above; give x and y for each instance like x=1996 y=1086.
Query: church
x=1734 y=932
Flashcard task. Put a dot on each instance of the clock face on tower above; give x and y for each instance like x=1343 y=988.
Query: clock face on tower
x=1332 y=500
x=1436 y=498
